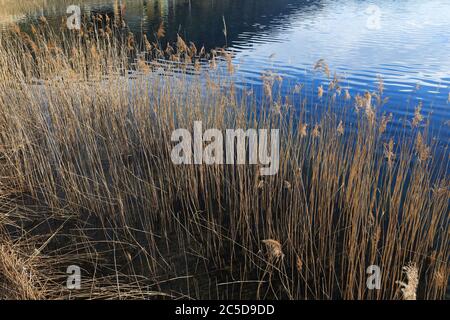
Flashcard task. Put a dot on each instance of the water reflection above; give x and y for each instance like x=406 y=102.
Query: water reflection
x=199 y=21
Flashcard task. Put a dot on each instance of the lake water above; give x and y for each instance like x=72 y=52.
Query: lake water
x=406 y=42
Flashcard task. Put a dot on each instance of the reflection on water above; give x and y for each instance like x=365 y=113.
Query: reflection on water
x=409 y=48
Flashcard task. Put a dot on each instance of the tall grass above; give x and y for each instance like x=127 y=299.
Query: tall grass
x=86 y=179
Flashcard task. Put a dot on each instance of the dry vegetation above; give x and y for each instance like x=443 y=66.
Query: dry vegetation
x=86 y=179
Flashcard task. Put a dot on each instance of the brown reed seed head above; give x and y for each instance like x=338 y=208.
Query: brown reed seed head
x=409 y=289
x=274 y=249
x=340 y=128
x=389 y=153
x=320 y=91
x=423 y=151
x=303 y=130
x=384 y=122
x=316 y=131
x=418 y=117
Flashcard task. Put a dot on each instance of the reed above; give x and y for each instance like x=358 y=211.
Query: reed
x=86 y=179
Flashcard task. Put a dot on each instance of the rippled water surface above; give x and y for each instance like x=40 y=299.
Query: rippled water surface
x=406 y=42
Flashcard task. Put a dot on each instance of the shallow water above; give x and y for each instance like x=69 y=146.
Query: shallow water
x=406 y=42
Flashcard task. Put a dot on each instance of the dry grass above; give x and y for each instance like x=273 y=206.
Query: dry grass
x=86 y=178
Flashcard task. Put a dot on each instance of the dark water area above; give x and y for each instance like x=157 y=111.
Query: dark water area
x=406 y=43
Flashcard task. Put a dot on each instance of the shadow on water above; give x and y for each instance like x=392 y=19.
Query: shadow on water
x=200 y=21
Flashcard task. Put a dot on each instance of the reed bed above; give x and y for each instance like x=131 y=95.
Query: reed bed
x=86 y=179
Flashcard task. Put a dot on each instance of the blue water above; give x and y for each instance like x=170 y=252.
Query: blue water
x=407 y=42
